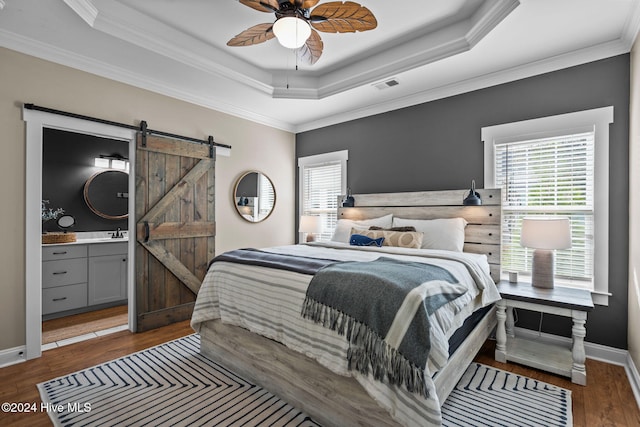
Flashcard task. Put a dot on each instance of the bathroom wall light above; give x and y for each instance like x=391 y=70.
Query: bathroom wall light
x=101 y=162
x=112 y=162
x=119 y=164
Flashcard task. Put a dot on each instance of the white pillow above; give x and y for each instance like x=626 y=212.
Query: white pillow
x=344 y=226
x=444 y=233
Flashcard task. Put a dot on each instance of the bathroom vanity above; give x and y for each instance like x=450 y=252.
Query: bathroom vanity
x=84 y=275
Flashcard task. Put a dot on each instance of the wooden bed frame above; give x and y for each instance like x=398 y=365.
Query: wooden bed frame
x=329 y=398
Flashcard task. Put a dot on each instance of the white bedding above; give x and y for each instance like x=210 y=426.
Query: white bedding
x=268 y=302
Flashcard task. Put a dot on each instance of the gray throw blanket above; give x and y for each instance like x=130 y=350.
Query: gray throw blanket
x=383 y=308
x=295 y=263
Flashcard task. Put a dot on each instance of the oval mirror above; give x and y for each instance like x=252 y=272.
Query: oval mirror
x=254 y=196
x=106 y=193
x=66 y=221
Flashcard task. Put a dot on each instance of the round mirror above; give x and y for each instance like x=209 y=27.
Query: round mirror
x=254 y=196
x=66 y=221
x=106 y=193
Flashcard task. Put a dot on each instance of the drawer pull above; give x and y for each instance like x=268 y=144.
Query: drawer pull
x=60 y=253
x=59 y=272
x=60 y=299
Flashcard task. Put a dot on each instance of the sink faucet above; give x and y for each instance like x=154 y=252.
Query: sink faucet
x=117 y=235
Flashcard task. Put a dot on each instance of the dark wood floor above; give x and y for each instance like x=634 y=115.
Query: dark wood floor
x=607 y=400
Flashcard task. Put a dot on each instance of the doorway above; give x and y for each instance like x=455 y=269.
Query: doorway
x=85 y=208
x=36 y=123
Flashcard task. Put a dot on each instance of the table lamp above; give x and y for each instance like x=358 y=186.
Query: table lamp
x=544 y=234
x=310 y=224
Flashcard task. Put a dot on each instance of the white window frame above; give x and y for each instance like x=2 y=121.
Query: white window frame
x=317 y=160
x=598 y=120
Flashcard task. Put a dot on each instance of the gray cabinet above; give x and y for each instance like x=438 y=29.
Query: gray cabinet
x=64 y=278
x=79 y=276
x=107 y=273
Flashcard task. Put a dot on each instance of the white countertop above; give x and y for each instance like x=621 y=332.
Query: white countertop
x=92 y=237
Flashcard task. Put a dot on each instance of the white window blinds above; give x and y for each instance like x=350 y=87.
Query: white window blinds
x=549 y=176
x=321 y=186
x=266 y=196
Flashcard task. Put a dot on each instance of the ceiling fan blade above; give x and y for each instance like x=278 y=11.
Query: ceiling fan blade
x=308 y=4
x=304 y=4
x=262 y=5
x=338 y=17
x=257 y=34
x=311 y=51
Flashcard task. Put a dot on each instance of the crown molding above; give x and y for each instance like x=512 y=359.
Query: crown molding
x=571 y=59
x=420 y=51
x=631 y=27
x=51 y=53
x=123 y=22
x=54 y=54
x=488 y=17
x=84 y=9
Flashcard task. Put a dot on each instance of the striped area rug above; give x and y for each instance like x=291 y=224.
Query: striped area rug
x=486 y=396
x=168 y=385
x=173 y=385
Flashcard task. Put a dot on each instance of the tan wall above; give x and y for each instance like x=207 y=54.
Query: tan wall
x=24 y=79
x=634 y=207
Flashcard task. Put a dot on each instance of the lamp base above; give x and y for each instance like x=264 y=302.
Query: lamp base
x=311 y=237
x=542 y=269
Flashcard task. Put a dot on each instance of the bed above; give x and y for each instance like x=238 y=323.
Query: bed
x=249 y=315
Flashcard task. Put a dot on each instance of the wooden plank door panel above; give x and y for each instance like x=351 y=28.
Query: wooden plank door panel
x=175 y=227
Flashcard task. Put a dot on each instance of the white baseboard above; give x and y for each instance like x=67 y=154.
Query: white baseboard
x=634 y=378
x=11 y=356
x=594 y=351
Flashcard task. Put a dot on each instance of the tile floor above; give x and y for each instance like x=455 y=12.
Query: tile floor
x=84 y=337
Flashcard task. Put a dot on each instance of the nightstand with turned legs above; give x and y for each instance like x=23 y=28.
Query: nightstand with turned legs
x=561 y=301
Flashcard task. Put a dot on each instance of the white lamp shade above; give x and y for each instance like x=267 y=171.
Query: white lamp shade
x=546 y=233
x=309 y=224
x=291 y=32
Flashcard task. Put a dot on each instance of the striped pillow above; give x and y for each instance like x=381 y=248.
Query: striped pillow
x=401 y=239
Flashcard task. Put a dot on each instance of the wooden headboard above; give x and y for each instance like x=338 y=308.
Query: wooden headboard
x=482 y=234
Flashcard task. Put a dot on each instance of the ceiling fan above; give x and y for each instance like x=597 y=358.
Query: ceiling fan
x=296 y=24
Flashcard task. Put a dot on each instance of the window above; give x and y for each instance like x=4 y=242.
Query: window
x=323 y=178
x=266 y=196
x=555 y=166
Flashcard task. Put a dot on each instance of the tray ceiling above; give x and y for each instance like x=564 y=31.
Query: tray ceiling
x=419 y=53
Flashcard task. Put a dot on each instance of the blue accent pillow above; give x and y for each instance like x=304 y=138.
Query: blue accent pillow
x=360 y=240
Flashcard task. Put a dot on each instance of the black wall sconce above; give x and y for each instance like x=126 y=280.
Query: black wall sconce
x=243 y=201
x=348 y=201
x=473 y=198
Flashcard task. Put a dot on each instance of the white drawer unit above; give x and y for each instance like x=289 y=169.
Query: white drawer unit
x=64 y=272
x=51 y=253
x=63 y=298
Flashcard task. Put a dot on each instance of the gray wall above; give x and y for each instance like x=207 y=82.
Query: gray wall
x=437 y=146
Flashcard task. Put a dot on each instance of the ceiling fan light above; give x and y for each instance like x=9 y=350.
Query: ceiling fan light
x=291 y=32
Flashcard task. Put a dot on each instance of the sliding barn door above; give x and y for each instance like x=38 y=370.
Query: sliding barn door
x=175 y=227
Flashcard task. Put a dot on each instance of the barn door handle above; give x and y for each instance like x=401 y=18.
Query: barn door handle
x=146 y=231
